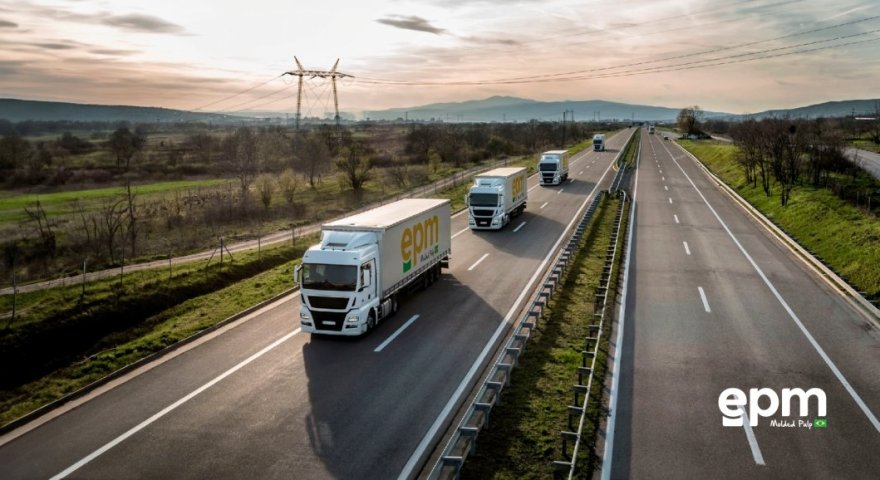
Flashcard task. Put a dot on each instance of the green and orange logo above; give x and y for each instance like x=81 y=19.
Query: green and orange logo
x=421 y=237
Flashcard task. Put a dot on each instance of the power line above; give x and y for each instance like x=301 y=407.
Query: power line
x=236 y=94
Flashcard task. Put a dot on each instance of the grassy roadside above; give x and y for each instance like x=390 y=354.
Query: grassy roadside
x=523 y=437
x=845 y=237
x=69 y=344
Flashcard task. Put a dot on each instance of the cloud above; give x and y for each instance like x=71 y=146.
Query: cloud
x=411 y=22
x=112 y=51
x=7 y=24
x=54 y=46
x=142 y=23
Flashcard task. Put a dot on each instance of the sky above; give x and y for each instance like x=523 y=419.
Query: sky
x=737 y=56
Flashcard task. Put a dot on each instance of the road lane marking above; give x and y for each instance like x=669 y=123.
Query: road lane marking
x=581 y=172
x=165 y=411
x=676 y=218
x=410 y=465
x=666 y=188
x=618 y=349
x=670 y=199
x=395 y=334
x=560 y=191
x=837 y=373
x=478 y=262
x=753 y=442
x=545 y=204
x=663 y=178
x=520 y=226
x=461 y=231
x=534 y=187
x=570 y=180
x=661 y=170
x=686 y=248
x=705 y=300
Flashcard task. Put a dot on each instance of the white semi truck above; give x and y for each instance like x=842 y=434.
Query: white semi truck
x=495 y=197
x=353 y=279
x=553 y=167
x=599 y=142
x=651 y=129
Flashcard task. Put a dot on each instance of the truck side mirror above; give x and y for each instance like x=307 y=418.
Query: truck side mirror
x=297 y=274
x=467 y=200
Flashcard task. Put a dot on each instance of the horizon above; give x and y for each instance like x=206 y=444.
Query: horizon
x=741 y=57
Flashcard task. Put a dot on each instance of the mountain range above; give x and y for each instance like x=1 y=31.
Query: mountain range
x=492 y=109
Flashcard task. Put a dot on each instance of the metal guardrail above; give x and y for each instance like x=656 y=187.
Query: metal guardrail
x=476 y=418
x=581 y=390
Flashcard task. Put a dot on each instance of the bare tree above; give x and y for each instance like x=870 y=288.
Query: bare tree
x=265 y=188
x=44 y=228
x=124 y=144
x=287 y=184
x=689 y=119
x=354 y=166
x=312 y=156
x=112 y=217
x=132 y=226
x=240 y=150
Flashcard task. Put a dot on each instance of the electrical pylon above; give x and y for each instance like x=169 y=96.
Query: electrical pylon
x=332 y=74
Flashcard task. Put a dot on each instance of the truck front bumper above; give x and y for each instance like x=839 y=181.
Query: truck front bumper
x=332 y=323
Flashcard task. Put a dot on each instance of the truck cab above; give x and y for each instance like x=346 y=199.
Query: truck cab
x=599 y=142
x=485 y=202
x=553 y=167
x=338 y=284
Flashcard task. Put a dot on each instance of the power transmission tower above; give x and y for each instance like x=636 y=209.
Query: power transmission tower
x=332 y=74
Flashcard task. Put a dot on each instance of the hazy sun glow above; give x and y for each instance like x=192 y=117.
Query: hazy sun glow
x=185 y=55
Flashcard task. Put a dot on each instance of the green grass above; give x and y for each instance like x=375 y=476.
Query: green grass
x=60 y=203
x=523 y=436
x=844 y=236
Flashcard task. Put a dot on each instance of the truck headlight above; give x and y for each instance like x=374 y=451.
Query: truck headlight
x=304 y=315
x=351 y=318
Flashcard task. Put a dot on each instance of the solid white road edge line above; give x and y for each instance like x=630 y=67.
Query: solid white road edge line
x=116 y=441
x=395 y=334
x=608 y=455
x=478 y=262
x=704 y=299
x=518 y=227
x=837 y=373
x=459 y=391
x=753 y=442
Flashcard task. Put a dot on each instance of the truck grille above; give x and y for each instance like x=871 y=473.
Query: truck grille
x=329 y=320
x=483 y=213
x=548 y=177
x=328 y=302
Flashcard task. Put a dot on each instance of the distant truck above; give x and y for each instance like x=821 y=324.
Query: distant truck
x=495 y=197
x=599 y=142
x=651 y=129
x=553 y=167
x=354 y=278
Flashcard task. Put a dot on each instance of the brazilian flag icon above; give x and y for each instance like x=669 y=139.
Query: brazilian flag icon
x=820 y=423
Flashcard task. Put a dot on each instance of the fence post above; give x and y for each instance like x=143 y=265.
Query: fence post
x=14 y=294
x=221 y=250
x=82 y=295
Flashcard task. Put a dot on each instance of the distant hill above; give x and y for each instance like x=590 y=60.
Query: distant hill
x=20 y=110
x=843 y=108
x=498 y=109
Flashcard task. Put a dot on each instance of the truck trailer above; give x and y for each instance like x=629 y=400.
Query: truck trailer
x=354 y=278
x=553 y=167
x=495 y=197
x=599 y=142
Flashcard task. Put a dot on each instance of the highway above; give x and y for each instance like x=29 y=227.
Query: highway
x=259 y=399
x=870 y=161
x=714 y=302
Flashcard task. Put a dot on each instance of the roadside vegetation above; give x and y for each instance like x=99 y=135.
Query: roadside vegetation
x=830 y=219
x=126 y=193
x=523 y=438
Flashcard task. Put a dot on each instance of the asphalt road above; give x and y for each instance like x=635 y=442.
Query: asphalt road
x=714 y=302
x=870 y=161
x=261 y=400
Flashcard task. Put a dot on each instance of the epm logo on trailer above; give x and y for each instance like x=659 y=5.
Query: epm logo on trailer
x=420 y=242
x=518 y=183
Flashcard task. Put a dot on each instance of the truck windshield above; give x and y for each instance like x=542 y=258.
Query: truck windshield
x=484 y=200
x=547 y=167
x=321 y=276
x=597 y=142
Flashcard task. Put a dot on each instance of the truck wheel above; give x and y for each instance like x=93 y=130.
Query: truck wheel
x=371 y=322
x=395 y=305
